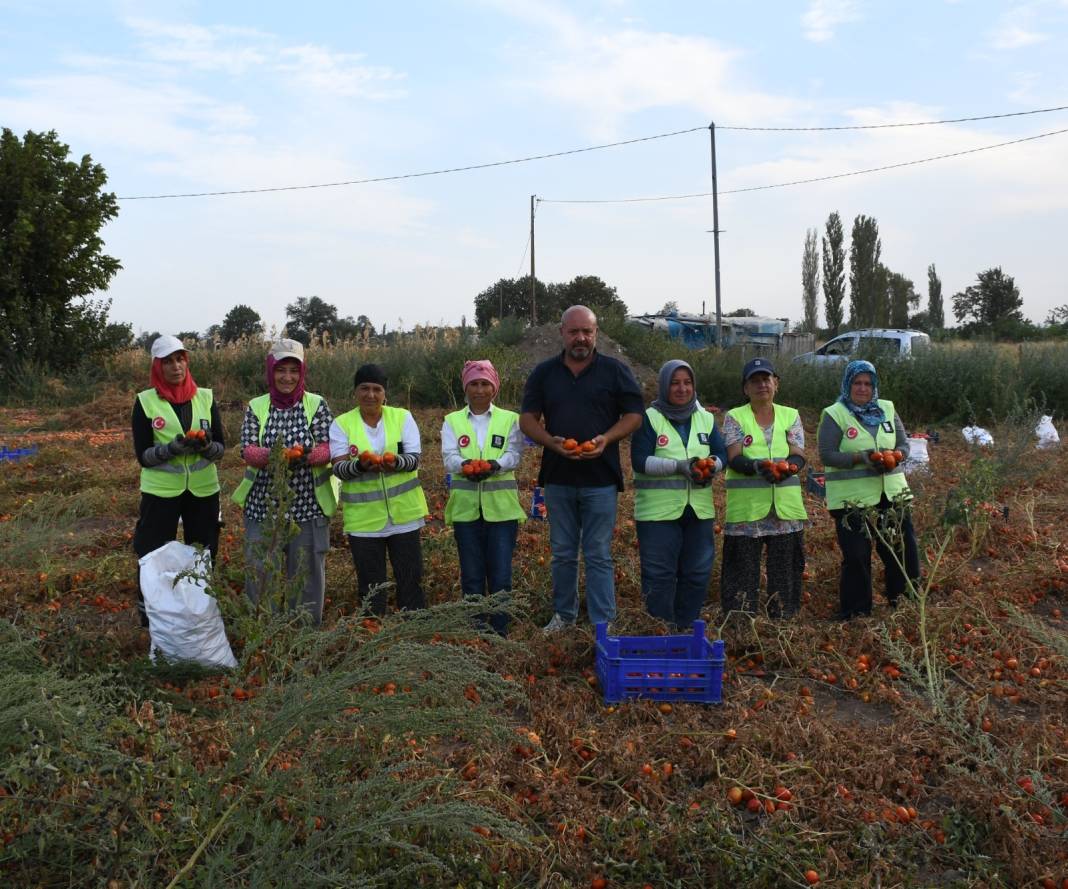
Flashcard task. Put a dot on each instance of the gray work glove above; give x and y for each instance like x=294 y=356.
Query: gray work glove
x=179 y=446
x=688 y=469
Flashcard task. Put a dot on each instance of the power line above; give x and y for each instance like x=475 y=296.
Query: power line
x=535 y=157
x=708 y=194
x=888 y=126
x=519 y=160
x=526 y=247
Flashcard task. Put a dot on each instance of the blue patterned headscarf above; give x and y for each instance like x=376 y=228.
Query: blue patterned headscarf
x=870 y=414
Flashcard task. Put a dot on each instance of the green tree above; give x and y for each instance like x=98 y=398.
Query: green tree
x=51 y=253
x=308 y=317
x=190 y=337
x=117 y=335
x=591 y=291
x=241 y=321
x=671 y=307
x=935 y=312
x=991 y=303
x=903 y=297
x=740 y=313
x=866 y=293
x=145 y=339
x=508 y=298
x=810 y=282
x=833 y=273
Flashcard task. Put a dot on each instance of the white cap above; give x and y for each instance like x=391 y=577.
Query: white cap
x=287 y=349
x=166 y=345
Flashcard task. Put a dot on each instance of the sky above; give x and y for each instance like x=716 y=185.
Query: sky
x=184 y=96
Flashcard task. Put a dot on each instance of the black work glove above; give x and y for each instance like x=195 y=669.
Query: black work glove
x=767 y=473
x=743 y=465
x=179 y=446
x=797 y=463
x=212 y=450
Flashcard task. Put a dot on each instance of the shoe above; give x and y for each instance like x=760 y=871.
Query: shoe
x=557 y=624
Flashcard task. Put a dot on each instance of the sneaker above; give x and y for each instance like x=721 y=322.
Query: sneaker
x=557 y=624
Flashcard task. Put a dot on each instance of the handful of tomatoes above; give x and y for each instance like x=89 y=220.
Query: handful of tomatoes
x=476 y=470
x=702 y=470
x=370 y=460
x=886 y=459
x=294 y=453
x=776 y=470
x=576 y=447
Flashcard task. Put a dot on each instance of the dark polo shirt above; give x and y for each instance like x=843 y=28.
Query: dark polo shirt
x=582 y=407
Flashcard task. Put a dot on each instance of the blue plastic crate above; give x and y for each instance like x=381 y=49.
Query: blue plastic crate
x=816 y=484
x=13 y=455
x=660 y=668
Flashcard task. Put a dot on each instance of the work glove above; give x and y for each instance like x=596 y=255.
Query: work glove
x=179 y=446
x=689 y=469
x=767 y=473
x=743 y=465
x=212 y=451
x=319 y=455
x=797 y=463
x=255 y=456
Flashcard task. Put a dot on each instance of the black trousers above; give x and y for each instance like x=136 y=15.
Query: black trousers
x=405 y=556
x=157 y=524
x=740 y=579
x=855 y=541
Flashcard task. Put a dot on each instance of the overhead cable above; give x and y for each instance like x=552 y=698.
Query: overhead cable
x=536 y=157
x=708 y=194
x=889 y=126
x=518 y=160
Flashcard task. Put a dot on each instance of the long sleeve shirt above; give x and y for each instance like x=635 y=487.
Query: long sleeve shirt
x=450 y=451
x=643 y=446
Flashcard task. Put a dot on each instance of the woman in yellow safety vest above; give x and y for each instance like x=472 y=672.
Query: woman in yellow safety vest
x=178 y=439
x=851 y=431
x=675 y=455
x=481 y=447
x=297 y=421
x=375 y=449
x=765 y=510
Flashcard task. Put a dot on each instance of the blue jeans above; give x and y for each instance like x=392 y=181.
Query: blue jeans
x=485 y=550
x=677 y=561
x=582 y=517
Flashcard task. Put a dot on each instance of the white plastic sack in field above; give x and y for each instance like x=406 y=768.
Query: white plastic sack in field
x=1047 y=433
x=183 y=619
x=918 y=459
x=977 y=435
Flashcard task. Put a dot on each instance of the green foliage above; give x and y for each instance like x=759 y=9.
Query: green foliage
x=866 y=284
x=810 y=282
x=833 y=273
x=902 y=297
x=994 y=300
x=51 y=254
x=312 y=317
x=935 y=312
x=240 y=322
x=312 y=783
x=508 y=332
x=511 y=297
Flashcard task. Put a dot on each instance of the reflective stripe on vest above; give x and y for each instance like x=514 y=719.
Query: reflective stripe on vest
x=326 y=485
x=189 y=472
x=861 y=485
x=664 y=498
x=497 y=498
x=370 y=504
x=750 y=498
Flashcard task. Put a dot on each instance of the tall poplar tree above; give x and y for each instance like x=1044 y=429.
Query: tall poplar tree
x=833 y=272
x=810 y=282
x=865 y=280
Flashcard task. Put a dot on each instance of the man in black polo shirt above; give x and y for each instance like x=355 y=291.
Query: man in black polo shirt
x=581 y=396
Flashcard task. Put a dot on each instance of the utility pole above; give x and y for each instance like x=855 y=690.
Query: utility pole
x=533 y=312
x=715 y=235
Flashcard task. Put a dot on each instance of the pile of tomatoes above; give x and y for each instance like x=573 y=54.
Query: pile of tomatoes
x=477 y=467
x=779 y=469
x=370 y=458
x=704 y=468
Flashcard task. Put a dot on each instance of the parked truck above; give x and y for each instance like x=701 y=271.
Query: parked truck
x=752 y=333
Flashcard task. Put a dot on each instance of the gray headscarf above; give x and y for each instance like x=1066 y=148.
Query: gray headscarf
x=677 y=413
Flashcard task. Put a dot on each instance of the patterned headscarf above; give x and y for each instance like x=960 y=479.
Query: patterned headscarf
x=675 y=412
x=870 y=414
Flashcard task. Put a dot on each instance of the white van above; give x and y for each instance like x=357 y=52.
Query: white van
x=891 y=341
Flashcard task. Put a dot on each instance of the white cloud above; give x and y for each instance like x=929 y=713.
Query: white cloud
x=1015 y=37
x=823 y=16
x=606 y=76
x=339 y=74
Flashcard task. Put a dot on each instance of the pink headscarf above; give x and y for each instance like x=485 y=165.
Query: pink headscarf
x=481 y=370
x=278 y=399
